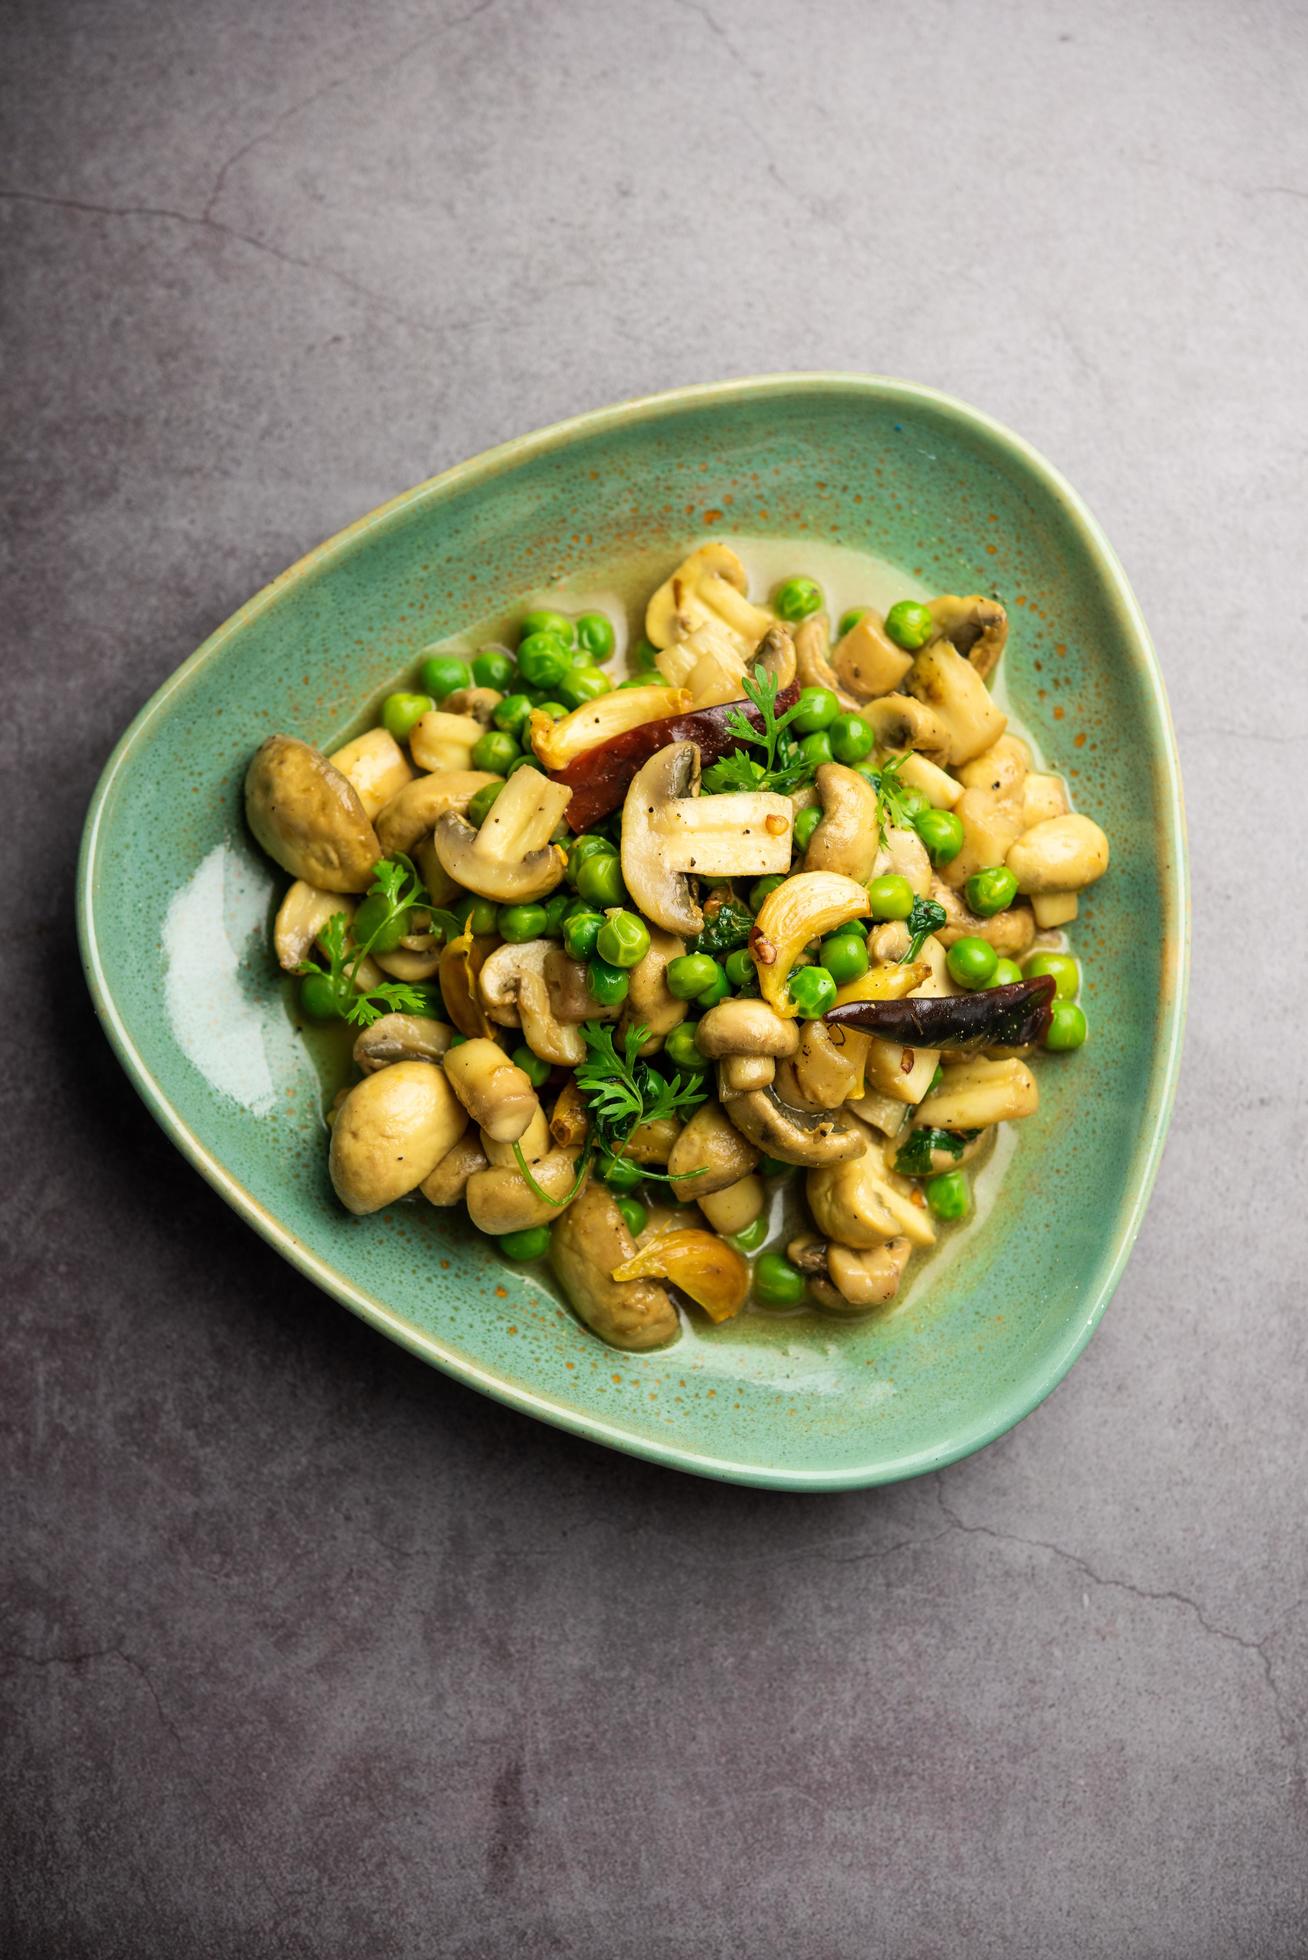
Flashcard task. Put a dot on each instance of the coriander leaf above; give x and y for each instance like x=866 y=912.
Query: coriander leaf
x=622 y=1091
x=926 y=917
x=914 y=1160
x=782 y=769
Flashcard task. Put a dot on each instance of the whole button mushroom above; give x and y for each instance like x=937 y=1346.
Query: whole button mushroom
x=391 y=1132
x=308 y=817
x=496 y=1093
x=1062 y=854
x=587 y=1245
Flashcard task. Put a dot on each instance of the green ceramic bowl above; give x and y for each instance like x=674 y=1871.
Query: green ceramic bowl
x=174 y=904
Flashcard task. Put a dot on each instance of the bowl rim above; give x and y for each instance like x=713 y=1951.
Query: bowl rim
x=1031 y=1388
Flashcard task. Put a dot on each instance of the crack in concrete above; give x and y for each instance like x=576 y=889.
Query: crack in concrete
x=1285 y=1722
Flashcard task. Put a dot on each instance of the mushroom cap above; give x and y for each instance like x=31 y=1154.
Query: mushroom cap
x=847 y=838
x=308 y=817
x=391 y=1132
x=510 y=859
x=448 y=1182
x=672 y=610
x=587 y=1244
x=501 y=1200
x=745 y=1027
x=516 y=991
x=301 y=916
x=1061 y=854
x=496 y=1093
x=714 y=1149
x=797 y=1136
x=401 y=1038
x=899 y=722
x=662 y=894
x=975 y=625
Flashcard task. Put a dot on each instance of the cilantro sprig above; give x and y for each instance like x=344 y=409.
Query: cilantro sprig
x=623 y=1092
x=781 y=767
x=400 y=890
x=894 y=807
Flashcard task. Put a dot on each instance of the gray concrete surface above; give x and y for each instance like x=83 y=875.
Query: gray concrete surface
x=307 y=1651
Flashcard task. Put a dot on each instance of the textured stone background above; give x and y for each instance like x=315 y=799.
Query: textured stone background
x=308 y=1651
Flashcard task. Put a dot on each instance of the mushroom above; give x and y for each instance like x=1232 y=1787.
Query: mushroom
x=775 y=654
x=308 y=817
x=411 y=815
x=846 y=838
x=1010 y=932
x=534 y=1143
x=710 y=1154
x=301 y=916
x=649 y=1004
x=511 y=858
x=737 y=1074
x=653 y=1143
x=496 y=1093
x=501 y=1200
x=376 y=768
x=1042 y=797
x=516 y=993
x=859 y=1203
x=903 y=851
x=991 y=825
x=812 y=662
x=558 y=743
x=796 y=1136
x=570 y=996
x=589 y=1242
x=448 y=1182
x=735 y=1207
x=570 y=1118
x=479 y=702
x=977 y=1092
x=976 y=626
x=1001 y=768
x=745 y=1027
x=869 y=1278
x=940 y=789
x=828 y=1067
x=444 y=741
x=900 y=723
x=414 y=960
x=669 y=831
x=390 y=1133
x=460 y=965
x=868 y=662
x=441 y=888
x=1062 y=854
x=947 y=683
x=707 y=588
x=1053 y=909
x=401 y=1038
x=708 y=666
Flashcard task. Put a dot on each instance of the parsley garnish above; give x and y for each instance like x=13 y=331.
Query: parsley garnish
x=782 y=769
x=395 y=881
x=894 y=812
x=914 y=1160
x=623 y=1092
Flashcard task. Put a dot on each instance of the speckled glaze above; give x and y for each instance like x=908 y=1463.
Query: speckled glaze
x=174 y=903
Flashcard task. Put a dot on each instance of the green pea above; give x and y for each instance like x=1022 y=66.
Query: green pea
x=849 y=620
x=806 y=822
x=890 y=896
x=796 y=598
x=554 y=709
x=441 y=673
x=518 y=923
x=942 y=833
x=1067 y=1027
x=495 y=752
x=740 y=969
x=991 y=890
x=555 y=909
x=643 y=655
x=401 y=713
x=619 y=1172
x=909 y=624
x=773 y=1167
x=776 y=1282
x=479 y=806
x=1061 y=968
x=634 y=1215
x=1007 y=973
x=813 y=991
x=482 y=916
x=816 y=708
x=682 y=1050
x=376 y=927
x=608 y=983
x=589 y=844
x=582 y=684
x=535 y=1070
x=580 y=933
x=623 y=939
x=816 y=749
x=543 y=619
x=689 y=974
x=948 y=1195
x=319 y=999
x=512 y=714
x=760 y=888
x=912 y=802
x=595 y=635
x=528 y=761
x=753 y=1235
x=718 y=988
x=972 y=962
x=635 y=680
x=533 y=1242
x=850 y=737
x=542 y=660
x=492 y=667
x=844 y=957
x=599 y=880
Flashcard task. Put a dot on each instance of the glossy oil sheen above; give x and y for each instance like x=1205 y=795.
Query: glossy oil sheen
x=175 y=901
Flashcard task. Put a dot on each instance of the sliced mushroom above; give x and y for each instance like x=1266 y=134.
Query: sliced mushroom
x=412 y=814
x=901 y=724
x=401 y=1038
x=947 y=683
x=903 y=852
x=812 y=659
x=649 y=1004
x=978 y=1092
x=308 y=817
x=501 y=1200
x=376 y=768
x=708 y=587
x=976 y=626
x=701 y=1265
x=796 y=1136
x=714 y=1150
x=991 y=826
x=707 y=667
x=828 y=1066
x=515 y=993
x=1063 y=854
x=441 y=888
x=1010 y=932
x=444 y=741
x=1002 y=768
x=846 y=839
x=669 y=831
x=570 y=1119
x=570 y=996
x=940 y=789
x=860 y=1203
x=735 y=1207
x=511 y=858
x=390 y=1133
x=775 y=654
x=411 y=964
x=868 y=662
x=479 y=702
x=460 y=966
x=745 y=1027
x=495 y=1092
x=589 y=1242
x=653 y=1143
x=1053 y=909
x=448 y=1182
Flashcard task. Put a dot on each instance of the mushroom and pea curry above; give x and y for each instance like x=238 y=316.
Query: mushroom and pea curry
x=771 y=916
